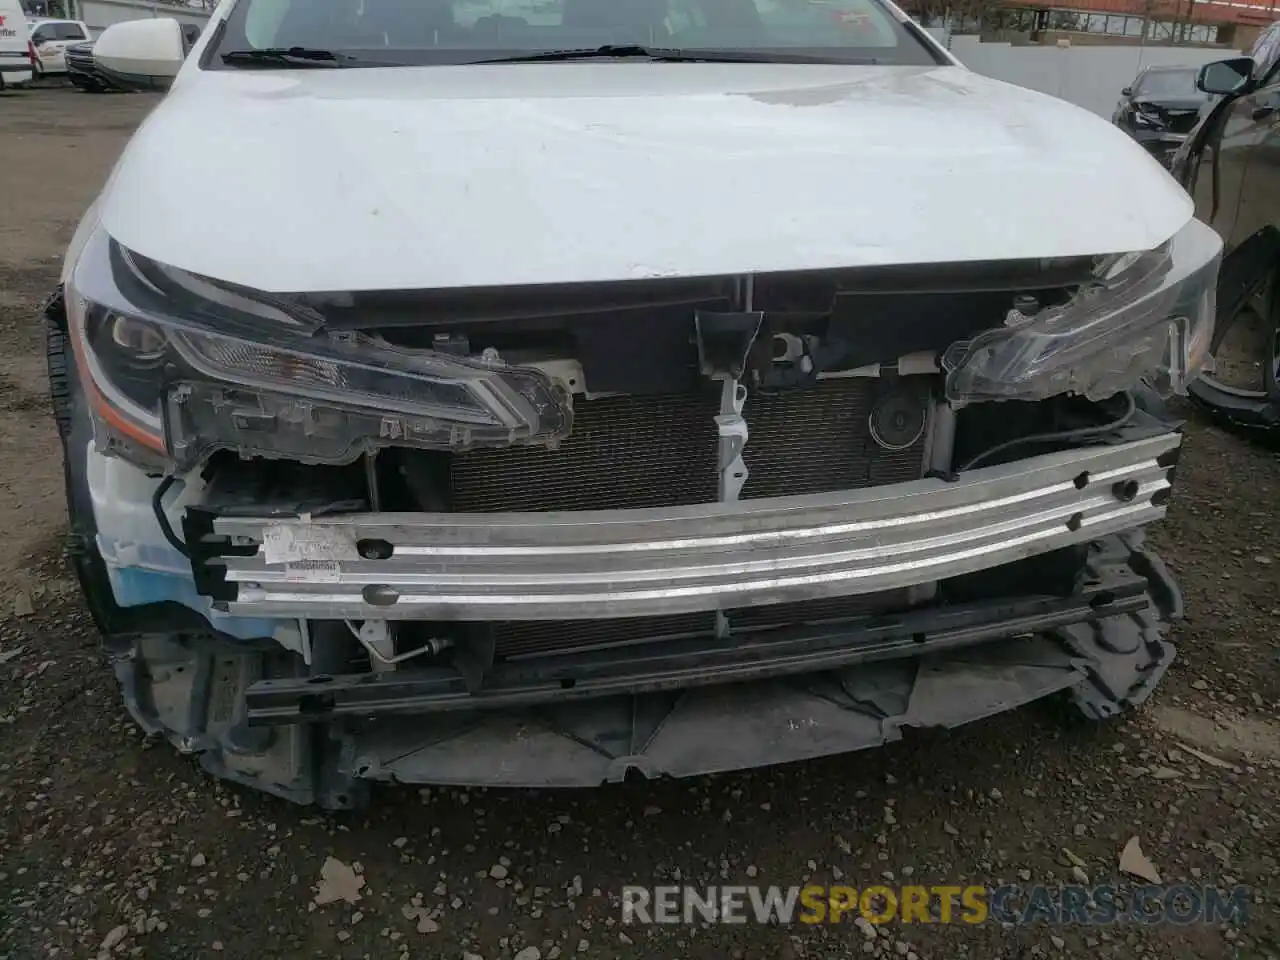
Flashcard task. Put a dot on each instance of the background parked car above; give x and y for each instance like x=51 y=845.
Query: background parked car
x=80 y=68
x=50 y=38
x=1160 y=108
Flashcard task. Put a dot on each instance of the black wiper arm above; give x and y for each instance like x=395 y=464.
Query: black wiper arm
x=301 y=58
x=621 y=51
x=611 y=50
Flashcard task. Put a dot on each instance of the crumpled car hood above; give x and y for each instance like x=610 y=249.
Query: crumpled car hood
x=400 y=178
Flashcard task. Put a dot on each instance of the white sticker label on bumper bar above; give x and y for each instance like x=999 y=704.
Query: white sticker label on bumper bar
x=289 y=544
x=313 y=571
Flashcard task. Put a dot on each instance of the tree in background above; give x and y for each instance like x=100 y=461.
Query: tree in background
x=963 y=16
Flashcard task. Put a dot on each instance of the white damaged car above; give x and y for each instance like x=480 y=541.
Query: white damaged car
x=542 y=393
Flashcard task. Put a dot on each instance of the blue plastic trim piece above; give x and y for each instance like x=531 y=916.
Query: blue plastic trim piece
x=135 y=586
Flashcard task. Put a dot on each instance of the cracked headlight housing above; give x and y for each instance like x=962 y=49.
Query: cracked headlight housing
x=1147 y=317
x=177 y=367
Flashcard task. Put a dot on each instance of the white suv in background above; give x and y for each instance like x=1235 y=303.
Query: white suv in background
x=50 y=38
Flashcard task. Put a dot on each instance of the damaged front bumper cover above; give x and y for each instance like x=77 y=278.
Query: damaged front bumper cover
x=1108 y=665
x=587 y=565
x=666 y=711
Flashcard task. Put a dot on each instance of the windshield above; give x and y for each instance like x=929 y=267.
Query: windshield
x=1169 y=83
x=463 y=31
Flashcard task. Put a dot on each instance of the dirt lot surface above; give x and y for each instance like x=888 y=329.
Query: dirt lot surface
x=111 y=845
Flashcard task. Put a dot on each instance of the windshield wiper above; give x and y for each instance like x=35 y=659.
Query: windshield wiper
x=298 y=58
x=621 y=51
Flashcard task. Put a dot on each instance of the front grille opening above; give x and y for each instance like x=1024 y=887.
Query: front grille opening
x=817 y=440
x=626 y=452
x=635 y=452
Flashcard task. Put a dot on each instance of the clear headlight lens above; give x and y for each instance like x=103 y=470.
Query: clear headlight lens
x=1149 y=316
x=170 y=390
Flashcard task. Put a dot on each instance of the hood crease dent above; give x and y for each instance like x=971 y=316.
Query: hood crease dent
x=434 y=177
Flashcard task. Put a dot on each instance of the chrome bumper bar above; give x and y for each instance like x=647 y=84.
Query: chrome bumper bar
x=595 y=564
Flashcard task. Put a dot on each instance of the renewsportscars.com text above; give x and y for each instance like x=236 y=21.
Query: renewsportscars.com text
x=971 y=904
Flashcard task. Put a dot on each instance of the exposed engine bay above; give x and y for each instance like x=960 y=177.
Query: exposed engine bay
x=556 y=535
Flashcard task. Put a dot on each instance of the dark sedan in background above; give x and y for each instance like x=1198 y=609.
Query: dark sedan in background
x=1160 y=108
x=81 y=70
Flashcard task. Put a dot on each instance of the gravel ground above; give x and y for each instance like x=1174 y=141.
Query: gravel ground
x=112 y=845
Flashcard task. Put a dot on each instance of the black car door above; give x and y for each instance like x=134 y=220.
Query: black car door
x=1227 y=148
x=1233 y=169
x=1258 y=204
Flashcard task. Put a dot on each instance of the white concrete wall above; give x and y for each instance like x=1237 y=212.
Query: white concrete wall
x=1088 y=76
x=100 y=14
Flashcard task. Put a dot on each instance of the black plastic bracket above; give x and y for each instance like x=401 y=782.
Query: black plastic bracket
x=724 y=341
x=203 y=545
x=673 y=665
x=474 y=658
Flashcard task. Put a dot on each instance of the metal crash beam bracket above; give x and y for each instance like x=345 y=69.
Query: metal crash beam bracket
x=731 y=428
x=724 y=343
x=732 y=431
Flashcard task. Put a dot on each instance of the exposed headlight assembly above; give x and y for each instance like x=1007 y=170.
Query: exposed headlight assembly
x=176 y=368
x=1147 y=317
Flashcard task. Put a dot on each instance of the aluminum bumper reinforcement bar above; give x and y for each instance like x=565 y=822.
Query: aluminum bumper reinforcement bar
x=593 y=564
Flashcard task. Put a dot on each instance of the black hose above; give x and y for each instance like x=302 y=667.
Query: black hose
x=1080 y=433
x=163 y=519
